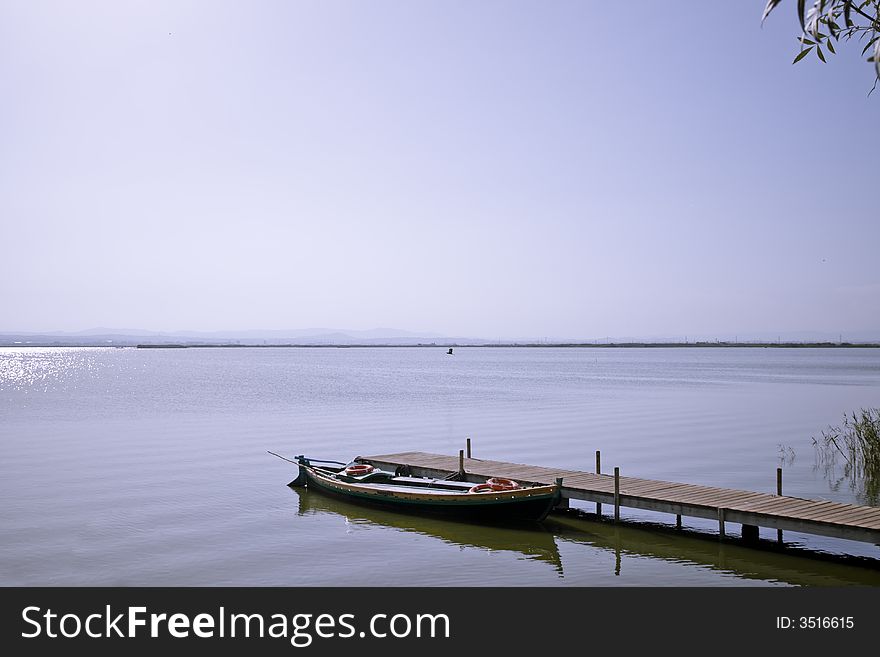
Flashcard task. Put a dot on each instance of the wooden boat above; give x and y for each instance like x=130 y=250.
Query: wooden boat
x=363 y=483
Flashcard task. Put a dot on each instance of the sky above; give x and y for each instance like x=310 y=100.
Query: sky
x=495 y=169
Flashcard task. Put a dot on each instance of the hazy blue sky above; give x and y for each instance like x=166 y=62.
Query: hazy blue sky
x=493 y=169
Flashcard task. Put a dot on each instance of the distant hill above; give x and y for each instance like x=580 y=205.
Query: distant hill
x=391 y=336
x=317 y=336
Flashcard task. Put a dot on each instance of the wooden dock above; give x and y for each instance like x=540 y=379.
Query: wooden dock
x=750 y=509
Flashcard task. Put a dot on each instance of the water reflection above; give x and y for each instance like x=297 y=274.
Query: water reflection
x=542 y=542
x=529 y=540
x=43 y=369
x=798 y=567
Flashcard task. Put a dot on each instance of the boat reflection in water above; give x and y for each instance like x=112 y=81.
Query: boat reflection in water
x=531 y=540
x=582 y=540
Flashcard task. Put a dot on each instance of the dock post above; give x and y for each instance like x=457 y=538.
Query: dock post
x=461 y=461
x=779 y=492
x=678 y=521
x=563 y=501
x=720 y=522
x=598 y=471
x=616 y=494
x=468 y=447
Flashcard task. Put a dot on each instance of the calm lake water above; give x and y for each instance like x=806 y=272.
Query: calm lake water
x=148 y=467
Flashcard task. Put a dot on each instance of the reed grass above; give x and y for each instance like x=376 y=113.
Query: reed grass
x=853 y=449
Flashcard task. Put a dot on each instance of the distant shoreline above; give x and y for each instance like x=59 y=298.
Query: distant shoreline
x=446 y=345
x=539 y=345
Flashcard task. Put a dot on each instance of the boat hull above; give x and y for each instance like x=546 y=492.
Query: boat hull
x=521 y=504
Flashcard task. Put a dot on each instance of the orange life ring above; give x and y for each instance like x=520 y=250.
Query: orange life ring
x=484 y=488
x=358 y=469
x=505 y=484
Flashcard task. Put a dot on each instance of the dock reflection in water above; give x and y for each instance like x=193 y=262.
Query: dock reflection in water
x=571 y=545
x=796 y=567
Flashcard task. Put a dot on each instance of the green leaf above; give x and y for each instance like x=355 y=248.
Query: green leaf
x=806 y=41
x=800 y=10
x=830 y=47
x=802 y=54
x=820 y=53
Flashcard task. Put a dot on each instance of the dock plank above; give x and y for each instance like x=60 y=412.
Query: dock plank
x=824 y=517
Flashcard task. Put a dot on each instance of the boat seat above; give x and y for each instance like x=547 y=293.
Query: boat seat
x=433 y=483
